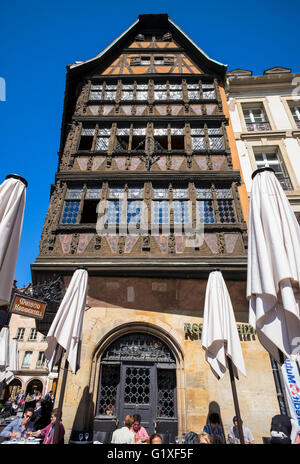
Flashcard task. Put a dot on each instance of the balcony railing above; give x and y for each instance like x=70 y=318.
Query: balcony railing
x=258 y=126
x=285 y=182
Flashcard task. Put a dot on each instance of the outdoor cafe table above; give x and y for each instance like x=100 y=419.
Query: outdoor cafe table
x=35 y=441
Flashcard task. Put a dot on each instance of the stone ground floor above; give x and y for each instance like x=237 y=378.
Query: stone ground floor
x=142 y=353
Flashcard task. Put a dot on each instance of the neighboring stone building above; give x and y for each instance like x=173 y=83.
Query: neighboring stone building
x=33 y=371
x=148 y=117
x=265 y=114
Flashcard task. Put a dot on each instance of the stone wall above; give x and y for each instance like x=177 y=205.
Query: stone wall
x=162 y=307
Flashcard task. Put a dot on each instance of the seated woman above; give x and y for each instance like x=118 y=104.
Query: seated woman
x=141 y=435
x=48 y=432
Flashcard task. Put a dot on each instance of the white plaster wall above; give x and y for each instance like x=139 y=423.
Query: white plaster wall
x=245 y=163
x=234 y=116
x=293 y=150
x=278 y=113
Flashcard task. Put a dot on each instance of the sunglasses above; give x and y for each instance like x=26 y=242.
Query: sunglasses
x=28 y=416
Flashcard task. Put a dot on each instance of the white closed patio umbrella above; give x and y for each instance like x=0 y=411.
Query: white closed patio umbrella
x=9 y=362
x=12 y=205
x=4 y=352
x=273 y=276
x=65 y=333
x=13 y=365
x=220 y=337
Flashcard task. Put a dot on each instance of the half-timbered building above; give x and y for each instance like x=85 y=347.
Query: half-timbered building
x=146 y=148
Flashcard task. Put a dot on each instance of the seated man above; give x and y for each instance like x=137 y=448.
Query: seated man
x=214 y=429
x=19 y=425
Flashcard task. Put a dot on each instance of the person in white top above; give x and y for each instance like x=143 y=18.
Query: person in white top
x=124 y=435
x=234 y=434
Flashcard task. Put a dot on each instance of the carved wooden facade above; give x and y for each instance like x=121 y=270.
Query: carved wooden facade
x=145 y=118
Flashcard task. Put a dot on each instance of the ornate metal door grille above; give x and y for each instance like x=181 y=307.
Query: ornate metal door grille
x=108 y=390
x=166 y=389
x=138 y=347
x=137 y=385
x=138 y=375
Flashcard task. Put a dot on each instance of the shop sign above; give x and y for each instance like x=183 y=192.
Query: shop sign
x=27 y=306
x=245 y=331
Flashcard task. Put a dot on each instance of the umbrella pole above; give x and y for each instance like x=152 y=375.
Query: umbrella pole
x=60 y=403
x=236 y=401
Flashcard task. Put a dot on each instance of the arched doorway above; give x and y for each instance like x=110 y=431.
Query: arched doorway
x=34 y=384
x=12 y=389
x=138 y=376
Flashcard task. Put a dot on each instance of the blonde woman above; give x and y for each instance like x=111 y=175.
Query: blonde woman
x=205 y=439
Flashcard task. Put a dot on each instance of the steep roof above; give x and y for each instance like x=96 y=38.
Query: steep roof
x=155 y=22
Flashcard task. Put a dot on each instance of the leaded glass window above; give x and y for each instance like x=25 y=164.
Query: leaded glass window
x=179 y=192
x=161 y=193
x=96 y=92
x=226 y=211
x=160 y=212
x=216 y=143
x=181 y=212
x=93 y=193
x=208 y=86
x=175 y=95
x=225 y=205
x=114 y=211
x=198 y=143
x=110 y=92
x=209 y=94
x=141 y=95
x=116 y=192
x=70 y=213
x=160 y=95
x=102 y=141
x=127 y=95
x=193 y=94
x=193 y=91
x=205 y=210
x=135 y=192
x=74 y=193
x=134 y=211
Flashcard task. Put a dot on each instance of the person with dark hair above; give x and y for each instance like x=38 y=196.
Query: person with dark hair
x=192 y=438
x=281 y=428
x=214 y=429
x=48 y=432
x=124 y=434
x=141 y=435
x=155 y=439
x=19 y=426
x=234 y=437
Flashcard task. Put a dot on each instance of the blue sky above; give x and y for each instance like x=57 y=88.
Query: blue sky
x=38 y=39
